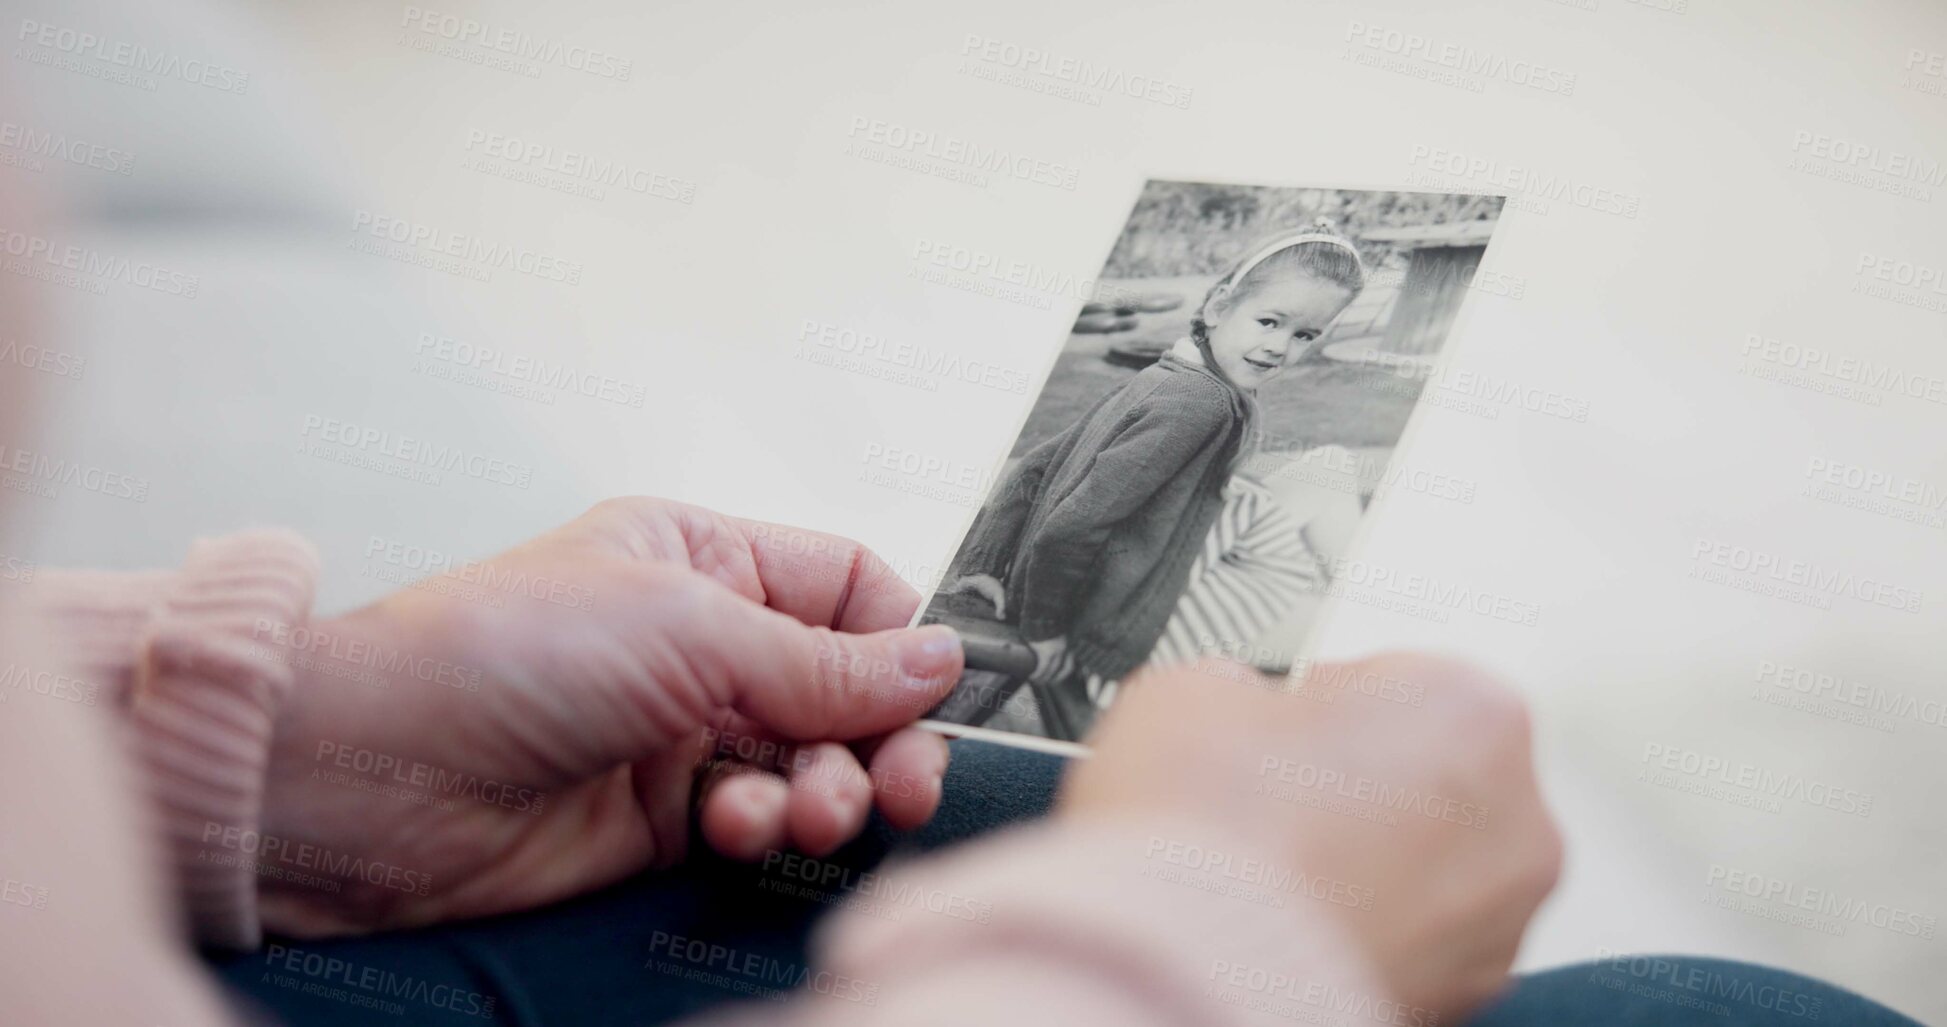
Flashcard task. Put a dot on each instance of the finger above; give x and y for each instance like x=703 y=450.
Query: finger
x=743 y=814
x=830 y=797
x=735 y=738
x=827 y=580
x=821 y=579
x=663 y=790
x=907 y=771
x=803 y=682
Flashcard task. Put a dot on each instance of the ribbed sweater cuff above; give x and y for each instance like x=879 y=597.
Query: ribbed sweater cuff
x=93 y=620
x=1123 y=904
x=176 y=650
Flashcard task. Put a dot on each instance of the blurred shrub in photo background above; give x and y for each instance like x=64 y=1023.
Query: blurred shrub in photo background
x=1199 y=228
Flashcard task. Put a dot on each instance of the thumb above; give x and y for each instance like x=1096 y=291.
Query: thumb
x=807 y=682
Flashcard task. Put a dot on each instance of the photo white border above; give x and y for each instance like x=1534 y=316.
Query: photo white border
x=1327 y=609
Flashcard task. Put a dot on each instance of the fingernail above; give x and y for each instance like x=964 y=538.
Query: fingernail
x=928 y=654
x=765 y=803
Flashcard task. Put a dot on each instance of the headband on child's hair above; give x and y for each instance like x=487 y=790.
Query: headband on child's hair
x=1319 y=232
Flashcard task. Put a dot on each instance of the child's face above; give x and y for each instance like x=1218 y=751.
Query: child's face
x=1273 y=324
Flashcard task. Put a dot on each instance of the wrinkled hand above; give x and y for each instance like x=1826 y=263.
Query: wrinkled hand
x=1455 y=867
x=548 y=721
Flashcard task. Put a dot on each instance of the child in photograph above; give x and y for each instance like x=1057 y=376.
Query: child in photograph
x=1087 y=544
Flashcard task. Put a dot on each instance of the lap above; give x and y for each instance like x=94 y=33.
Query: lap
x=1660 y=990
x=605 y=958
x=618 y=956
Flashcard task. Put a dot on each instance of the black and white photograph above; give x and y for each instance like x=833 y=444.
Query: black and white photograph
x=1191 y=474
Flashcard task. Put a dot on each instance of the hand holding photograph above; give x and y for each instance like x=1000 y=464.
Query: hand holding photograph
x=1196 y=463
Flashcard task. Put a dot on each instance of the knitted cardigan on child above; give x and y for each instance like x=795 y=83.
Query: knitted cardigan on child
x=1093 y=532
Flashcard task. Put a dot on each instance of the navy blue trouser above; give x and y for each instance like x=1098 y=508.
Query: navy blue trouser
x=600 y=959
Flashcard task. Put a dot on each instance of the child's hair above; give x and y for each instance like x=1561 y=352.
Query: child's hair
x=1315 y=252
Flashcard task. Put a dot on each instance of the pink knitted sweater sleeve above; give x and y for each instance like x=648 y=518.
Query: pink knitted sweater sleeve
x=177 y=654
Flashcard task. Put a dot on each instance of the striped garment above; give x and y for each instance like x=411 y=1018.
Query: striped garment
x=1254 y=566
